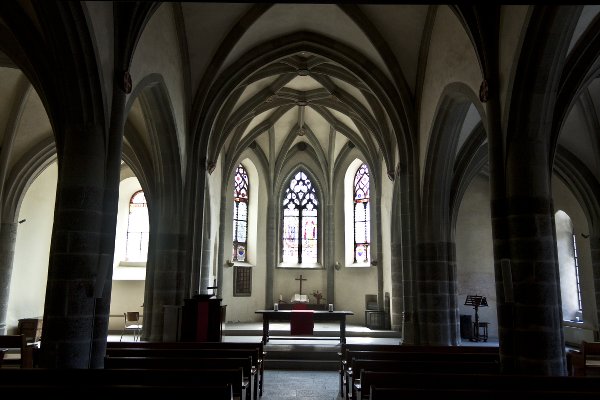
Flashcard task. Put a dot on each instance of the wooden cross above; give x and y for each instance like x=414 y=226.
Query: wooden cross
x=301 y=279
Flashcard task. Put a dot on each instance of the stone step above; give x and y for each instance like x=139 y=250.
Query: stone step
x=303 y=365
x=317 y=357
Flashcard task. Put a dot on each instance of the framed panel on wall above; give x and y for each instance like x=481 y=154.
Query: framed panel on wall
x=242 y=281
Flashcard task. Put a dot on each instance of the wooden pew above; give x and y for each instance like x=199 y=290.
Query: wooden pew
x=204 y=345
x=98 y=383
x=532 y=386
x=101 y=392
x=345 y=353
x=245 y=390
x=386 y=393
x=16 y=345
x=586 y=360
x=424 y=356
x=453 y=356
x=196 y=351
x=433 y=366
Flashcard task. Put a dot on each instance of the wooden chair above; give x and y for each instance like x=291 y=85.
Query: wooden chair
x=133 y=324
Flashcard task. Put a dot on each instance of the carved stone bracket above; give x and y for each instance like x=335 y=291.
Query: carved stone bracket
x=127 y=84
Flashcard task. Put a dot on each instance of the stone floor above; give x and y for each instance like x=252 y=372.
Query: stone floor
x=289 y=384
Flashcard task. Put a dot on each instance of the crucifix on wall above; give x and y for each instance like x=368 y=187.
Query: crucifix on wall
x=300 y=279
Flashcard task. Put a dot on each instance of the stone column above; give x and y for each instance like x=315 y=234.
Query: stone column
x=272 y=245
x=329 y=249
x=8 y=237
x=595 y=250
x=73 y=270
x=534 y=335
x=436 y=274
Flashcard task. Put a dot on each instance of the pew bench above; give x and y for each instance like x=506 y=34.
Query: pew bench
x=453 y=382
x=454 y=356
x=99 y=383
x=214 y=352
x=439 y=366
x=586 y=360
x=243 y=390
x=17 y=352
x=202 y=345
x=346 y=353
x=386 y=393
x=102 y=392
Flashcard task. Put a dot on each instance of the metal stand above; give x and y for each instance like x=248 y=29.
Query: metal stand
x=477 y=301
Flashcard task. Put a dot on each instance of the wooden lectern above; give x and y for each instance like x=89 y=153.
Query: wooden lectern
x=201 y=319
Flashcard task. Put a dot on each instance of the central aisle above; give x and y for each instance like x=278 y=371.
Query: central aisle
x=307 y=385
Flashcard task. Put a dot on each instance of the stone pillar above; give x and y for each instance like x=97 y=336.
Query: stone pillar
x=329 y=248
x=8 y=237
x=74 y=263
x=205 y=279
x=595 y=250
x=531 y=325
x=272 y=245
x=436 y=274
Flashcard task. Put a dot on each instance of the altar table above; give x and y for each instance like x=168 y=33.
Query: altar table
x=286 y=315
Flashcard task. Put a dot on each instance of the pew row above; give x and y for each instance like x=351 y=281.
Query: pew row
x=253 y=353
x=387 y=393
x=17 y=351
x=440 y=366
x=585 y=361
x=201 y=345
x=410 y=352
x=244 y=389
x=100 y=383
x=389 y=385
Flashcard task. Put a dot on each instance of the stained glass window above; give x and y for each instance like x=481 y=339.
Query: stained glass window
x=362 y=216
x=241 y=187
x=138 y=228
x=300 y=221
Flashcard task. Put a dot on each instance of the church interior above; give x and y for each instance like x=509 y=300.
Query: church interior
x=423 y=167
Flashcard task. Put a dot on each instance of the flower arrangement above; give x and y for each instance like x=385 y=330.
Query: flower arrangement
x=318 y=295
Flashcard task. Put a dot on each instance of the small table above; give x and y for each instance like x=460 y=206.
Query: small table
x=286 y=315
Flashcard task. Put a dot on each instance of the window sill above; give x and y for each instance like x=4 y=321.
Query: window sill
x=359 y=265
x=132 y=264
x=130 y=271
x=284 y=265
x=573 y=323
x=242 y=264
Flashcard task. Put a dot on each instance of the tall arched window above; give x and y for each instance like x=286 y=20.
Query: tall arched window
x=568 y=263
x=362 y=216
x=300 y=221
x=138 y=228
x=241 y=187
x=576 y=262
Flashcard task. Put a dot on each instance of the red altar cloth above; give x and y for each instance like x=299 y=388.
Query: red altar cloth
x=301 y=322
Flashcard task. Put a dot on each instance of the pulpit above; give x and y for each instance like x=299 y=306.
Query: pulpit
x=201 y=319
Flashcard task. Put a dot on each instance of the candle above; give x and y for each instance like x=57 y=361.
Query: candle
x=276 y=307
x=331 y=307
